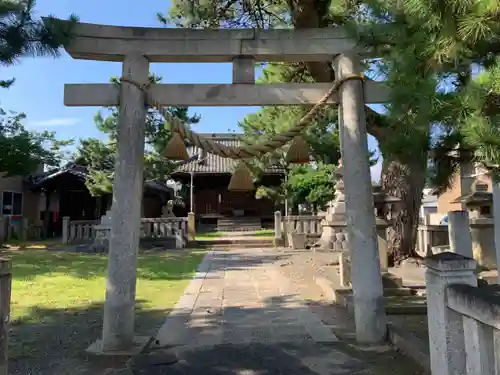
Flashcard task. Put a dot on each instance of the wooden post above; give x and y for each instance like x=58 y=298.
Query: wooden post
x=3 y=231
x=119 y=309
x=369 y=310
x=24 y=229
x=5 y=290
x=191 y=227
x=46 y=217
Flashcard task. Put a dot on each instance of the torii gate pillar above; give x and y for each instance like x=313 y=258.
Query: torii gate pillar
x=119 y=309
x=369 y=310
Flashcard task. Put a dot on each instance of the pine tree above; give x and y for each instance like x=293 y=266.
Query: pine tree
x=22 y=35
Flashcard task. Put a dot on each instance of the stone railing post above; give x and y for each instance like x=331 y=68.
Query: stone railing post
x=446 y=332
x=191 y=230
x=65 y=230
x=278 y=236
x=459 y=233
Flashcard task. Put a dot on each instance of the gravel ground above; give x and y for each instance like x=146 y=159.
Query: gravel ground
x=57 y=347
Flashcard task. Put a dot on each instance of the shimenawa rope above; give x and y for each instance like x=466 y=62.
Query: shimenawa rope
x=246 y=151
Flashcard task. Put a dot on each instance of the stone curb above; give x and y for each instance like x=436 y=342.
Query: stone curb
x=402 y=340
x=410 y=345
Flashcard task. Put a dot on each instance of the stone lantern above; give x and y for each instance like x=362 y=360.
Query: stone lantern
x=334 y=232
x=479 y=203
x=385 y=207
x=479 y=206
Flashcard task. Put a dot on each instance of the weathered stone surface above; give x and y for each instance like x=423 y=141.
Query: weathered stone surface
x=107 y=94
x=119 y=309
x=371 y=322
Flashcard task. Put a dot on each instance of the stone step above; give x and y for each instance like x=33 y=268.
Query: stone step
x=238 y=228
x=396 y=305
x=390 y=280
x=236 y=243
x=239 y=220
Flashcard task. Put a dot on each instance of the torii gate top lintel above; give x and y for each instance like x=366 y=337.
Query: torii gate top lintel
x=242 y=47
x=113 y=43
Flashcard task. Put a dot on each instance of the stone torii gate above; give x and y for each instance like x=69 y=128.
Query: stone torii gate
x=136 y=48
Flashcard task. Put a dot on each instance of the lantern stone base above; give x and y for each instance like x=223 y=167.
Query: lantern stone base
x=333 y=236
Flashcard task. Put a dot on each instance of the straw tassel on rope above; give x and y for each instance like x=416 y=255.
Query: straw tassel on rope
x=175 y=149
x=298 y=152
x=242 y=179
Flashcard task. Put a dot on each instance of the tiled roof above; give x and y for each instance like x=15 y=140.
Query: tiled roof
x=213 y=164
x=80 y=172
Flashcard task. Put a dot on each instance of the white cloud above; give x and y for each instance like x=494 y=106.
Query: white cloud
x=53 y=122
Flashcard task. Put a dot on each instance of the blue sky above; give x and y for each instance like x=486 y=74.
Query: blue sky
x=39 y=86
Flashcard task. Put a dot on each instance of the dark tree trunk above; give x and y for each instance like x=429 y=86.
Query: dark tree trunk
x=407 y=183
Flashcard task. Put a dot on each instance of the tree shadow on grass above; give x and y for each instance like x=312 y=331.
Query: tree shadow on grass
x=53 y=341
x=154 y=265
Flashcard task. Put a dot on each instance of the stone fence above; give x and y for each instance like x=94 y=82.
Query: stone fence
x=463 y=319
x=288 y=229
x=78 y=230
x=302 y=224
x=479 y=236
x=81 y=231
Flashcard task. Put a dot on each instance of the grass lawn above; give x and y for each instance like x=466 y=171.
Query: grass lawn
x=57 y=300
x=264 y=233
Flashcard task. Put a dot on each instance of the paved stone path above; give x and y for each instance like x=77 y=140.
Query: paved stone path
x=241 y=316
x=240 y=297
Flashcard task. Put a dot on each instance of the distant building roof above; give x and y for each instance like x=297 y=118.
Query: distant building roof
x=207 y=163
x=79 y=171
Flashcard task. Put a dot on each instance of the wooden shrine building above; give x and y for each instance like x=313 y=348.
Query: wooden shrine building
x=214 y=206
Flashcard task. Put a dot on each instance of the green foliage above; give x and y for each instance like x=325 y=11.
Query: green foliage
x=99 y=156
x=437 y=46
x=322 y=136
x=22 y=150
x=314 y=185
x=481 y=115
x=22 y=35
